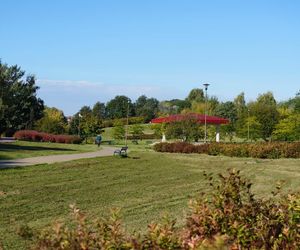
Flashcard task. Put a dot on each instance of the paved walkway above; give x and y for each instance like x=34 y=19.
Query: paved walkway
x=104 y=151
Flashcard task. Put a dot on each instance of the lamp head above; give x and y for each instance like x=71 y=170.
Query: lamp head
x=206 y=85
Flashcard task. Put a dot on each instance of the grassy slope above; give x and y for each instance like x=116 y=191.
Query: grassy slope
x=108 y=132
x=22 y=149
x=145 y=185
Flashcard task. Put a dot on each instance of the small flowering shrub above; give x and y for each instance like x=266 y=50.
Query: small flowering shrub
x=228 y=217
x=32 y=135
x=272 y=150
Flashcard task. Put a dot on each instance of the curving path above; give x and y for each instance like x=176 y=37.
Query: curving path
x=105 y=151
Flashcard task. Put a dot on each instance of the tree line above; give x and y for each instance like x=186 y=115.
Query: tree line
x=264 y=117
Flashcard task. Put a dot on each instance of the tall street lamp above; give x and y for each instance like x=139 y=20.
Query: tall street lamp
x=248 y=126
x=205 y=129
x=79 y=116
x=126 y=132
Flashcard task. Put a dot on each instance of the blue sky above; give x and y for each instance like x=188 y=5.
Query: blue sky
x=87 y=51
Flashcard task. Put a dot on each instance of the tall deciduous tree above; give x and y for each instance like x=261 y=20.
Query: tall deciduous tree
x=188 y=129
x=19 y=105
x=251 y=127
x=117 y=107
x=146 y=107
x=85 y=123
x=99 y=110
x=137 y=131
x=118 y=131
x=240 y=106
x=196 y=95
x=228 y=110
x=288 y=129
x=53 y=121
x=265 y=110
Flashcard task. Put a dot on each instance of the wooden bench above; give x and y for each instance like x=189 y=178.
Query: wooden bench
x=121 y=152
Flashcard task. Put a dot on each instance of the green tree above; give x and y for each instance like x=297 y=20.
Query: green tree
x=174 y=106
x=99 y=110
x=119 y=106
x=146 y=107
x=265 y=110
x=253 y=127
x=168 y=108
x=118 y=131
x=137 y=131
x=159 y=129
x=288 y=129
x=228 y=110
x=90 y=126
x=187 y=130
x=240 y=106
x=293 y=103
x=212 y=104
x=196 y=95
x=85 y=123
x=19 y=106
x=53 y=121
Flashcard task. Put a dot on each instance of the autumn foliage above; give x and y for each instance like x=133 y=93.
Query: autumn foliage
x=268 y=150
x=32 y=135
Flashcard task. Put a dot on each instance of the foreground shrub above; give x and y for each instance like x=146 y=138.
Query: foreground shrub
x=273 y=150
x=229 y=217
x=245 y=222
x=32 y=135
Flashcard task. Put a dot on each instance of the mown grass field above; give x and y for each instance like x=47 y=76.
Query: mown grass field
x=23 y=149
x=145 y=186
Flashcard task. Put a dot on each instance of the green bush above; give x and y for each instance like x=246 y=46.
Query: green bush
x=228 y=217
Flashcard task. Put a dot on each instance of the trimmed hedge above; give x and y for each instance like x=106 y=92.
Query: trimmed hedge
x=32 y=135
x=272 y=150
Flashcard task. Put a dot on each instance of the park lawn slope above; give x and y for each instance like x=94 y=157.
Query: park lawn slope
x=24 y=149
x=145 y=186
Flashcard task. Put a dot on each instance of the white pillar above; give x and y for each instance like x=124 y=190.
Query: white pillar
x=218 y=133
x=163 y=138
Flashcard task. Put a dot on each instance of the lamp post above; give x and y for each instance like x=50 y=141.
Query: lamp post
x=205 y=129
x=126 y=131
x=248 y=125
x=79 y=116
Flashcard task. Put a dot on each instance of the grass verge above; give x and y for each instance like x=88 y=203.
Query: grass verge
x=145 y=186
x=23 y=149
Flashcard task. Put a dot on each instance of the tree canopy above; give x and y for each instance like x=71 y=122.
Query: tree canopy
x=19 y=105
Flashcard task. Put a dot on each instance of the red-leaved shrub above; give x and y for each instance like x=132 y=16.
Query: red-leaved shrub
x=32 y=135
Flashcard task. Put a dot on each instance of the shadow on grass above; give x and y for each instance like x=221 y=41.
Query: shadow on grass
x=6 y=147
x=5 y=165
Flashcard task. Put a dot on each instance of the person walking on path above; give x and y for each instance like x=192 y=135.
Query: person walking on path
x=98 y=140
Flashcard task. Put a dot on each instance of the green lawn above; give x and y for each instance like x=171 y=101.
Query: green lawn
x=23 y=149
x=145 y=186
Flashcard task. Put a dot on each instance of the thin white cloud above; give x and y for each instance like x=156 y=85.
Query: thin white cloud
x=66 y=83
x=108 y=90
x=70 y=95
